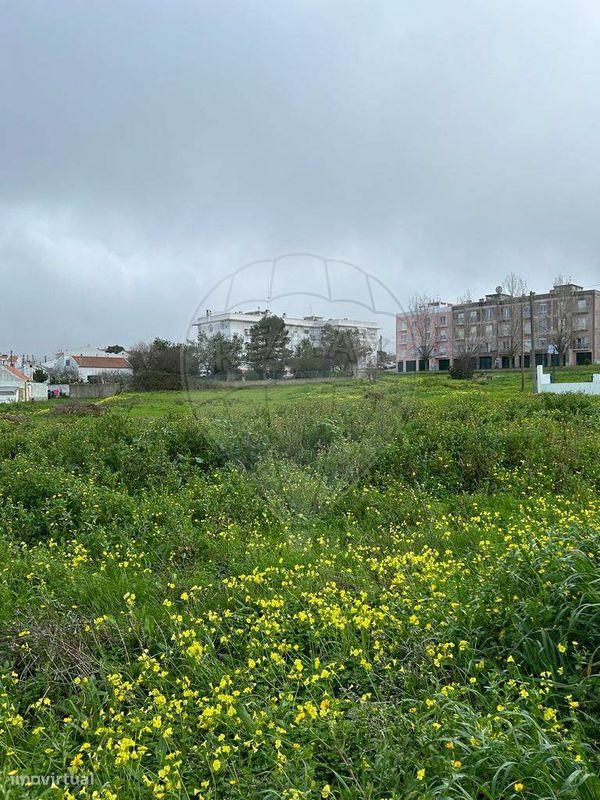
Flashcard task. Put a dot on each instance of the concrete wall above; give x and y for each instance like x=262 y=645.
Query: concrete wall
x=91 y=391
x=544 y=385
x=37 y=391
x=64 y=389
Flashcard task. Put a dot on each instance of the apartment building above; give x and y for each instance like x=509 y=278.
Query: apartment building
x=424 y=337
x=299 y=328
x=497 y=331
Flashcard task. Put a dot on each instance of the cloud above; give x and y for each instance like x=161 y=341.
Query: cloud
x=146 y=149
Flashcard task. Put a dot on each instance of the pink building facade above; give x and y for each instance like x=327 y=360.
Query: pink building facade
x=424 y=339
x=498 y=331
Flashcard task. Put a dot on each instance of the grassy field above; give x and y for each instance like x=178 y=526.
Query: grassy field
x=339 y=590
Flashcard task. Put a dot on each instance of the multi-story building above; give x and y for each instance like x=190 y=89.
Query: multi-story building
x=311 y=327
x=424 y=337
x=497 y=331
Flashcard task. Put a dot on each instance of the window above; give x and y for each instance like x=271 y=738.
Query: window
x=460 y=318
x=543 y=324
x=442 y=320
x=488 y=313
x=402 y=324
x=67 y=362
x=403 y=338
x=582 y=305
x=473 y=330
x=527 y=312
x=473 y=316
x=442 y=351
x=543 y=309
x=489 y=330
x=460 y=333
x=505 y=345
x=581 y=341
x=505 y=312
x=443 y=335
x=582 y=323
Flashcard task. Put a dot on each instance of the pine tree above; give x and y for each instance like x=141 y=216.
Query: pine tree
x=267 y=351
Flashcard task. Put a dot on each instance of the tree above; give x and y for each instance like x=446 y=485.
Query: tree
x=422 y=327
x=343 y=349
x=115 y=349
x=39 y=375
x=385 y=359
x=562 y=322
x=156 y=365
x=267 y=351
x=219 y=356
x=467 y=340
x=62 y=375
x=308 y=361
x=511 y=323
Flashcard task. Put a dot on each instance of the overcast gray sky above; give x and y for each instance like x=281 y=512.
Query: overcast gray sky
x=148 y=148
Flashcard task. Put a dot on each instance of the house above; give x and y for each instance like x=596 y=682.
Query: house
x=90 y=365
x=15 y=386
x=96 y=368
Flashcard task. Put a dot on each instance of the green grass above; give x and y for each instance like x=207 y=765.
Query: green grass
x=321 y=590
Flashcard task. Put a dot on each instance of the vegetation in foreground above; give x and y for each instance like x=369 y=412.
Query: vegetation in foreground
x=356 y=592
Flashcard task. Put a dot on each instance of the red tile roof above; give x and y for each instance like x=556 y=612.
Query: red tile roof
x=102 y=362
x=16 y=372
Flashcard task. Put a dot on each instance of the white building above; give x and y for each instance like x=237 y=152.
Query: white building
x=298 y=328
x=90 y=364
x=15 y=386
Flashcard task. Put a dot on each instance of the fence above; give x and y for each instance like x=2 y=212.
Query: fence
x=544 y=385
x=85 y=391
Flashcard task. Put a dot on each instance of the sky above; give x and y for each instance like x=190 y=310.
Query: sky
x=148 y=149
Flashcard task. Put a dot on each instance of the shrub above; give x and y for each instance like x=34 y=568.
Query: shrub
x=462 y=368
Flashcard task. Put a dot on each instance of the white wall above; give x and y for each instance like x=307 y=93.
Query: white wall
x=544 y=385
x=9 y=394
x=37 y=391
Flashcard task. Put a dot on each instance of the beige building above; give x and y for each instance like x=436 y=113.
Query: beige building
x=497 y=332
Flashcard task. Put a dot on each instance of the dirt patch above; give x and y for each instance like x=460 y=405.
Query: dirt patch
x=79 y=410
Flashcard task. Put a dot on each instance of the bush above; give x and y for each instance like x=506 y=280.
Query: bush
x=153 y=380
x=462 y=368
x=354 y=594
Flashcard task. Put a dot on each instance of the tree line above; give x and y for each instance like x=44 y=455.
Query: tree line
x=267 y=354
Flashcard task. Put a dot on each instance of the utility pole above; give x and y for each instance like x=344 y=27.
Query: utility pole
x=532 y=356
x=522 y=343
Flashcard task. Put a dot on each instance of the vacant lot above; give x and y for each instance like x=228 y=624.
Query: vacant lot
x=330 y=590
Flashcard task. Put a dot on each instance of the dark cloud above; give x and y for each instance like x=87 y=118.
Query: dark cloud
x=147 y=148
